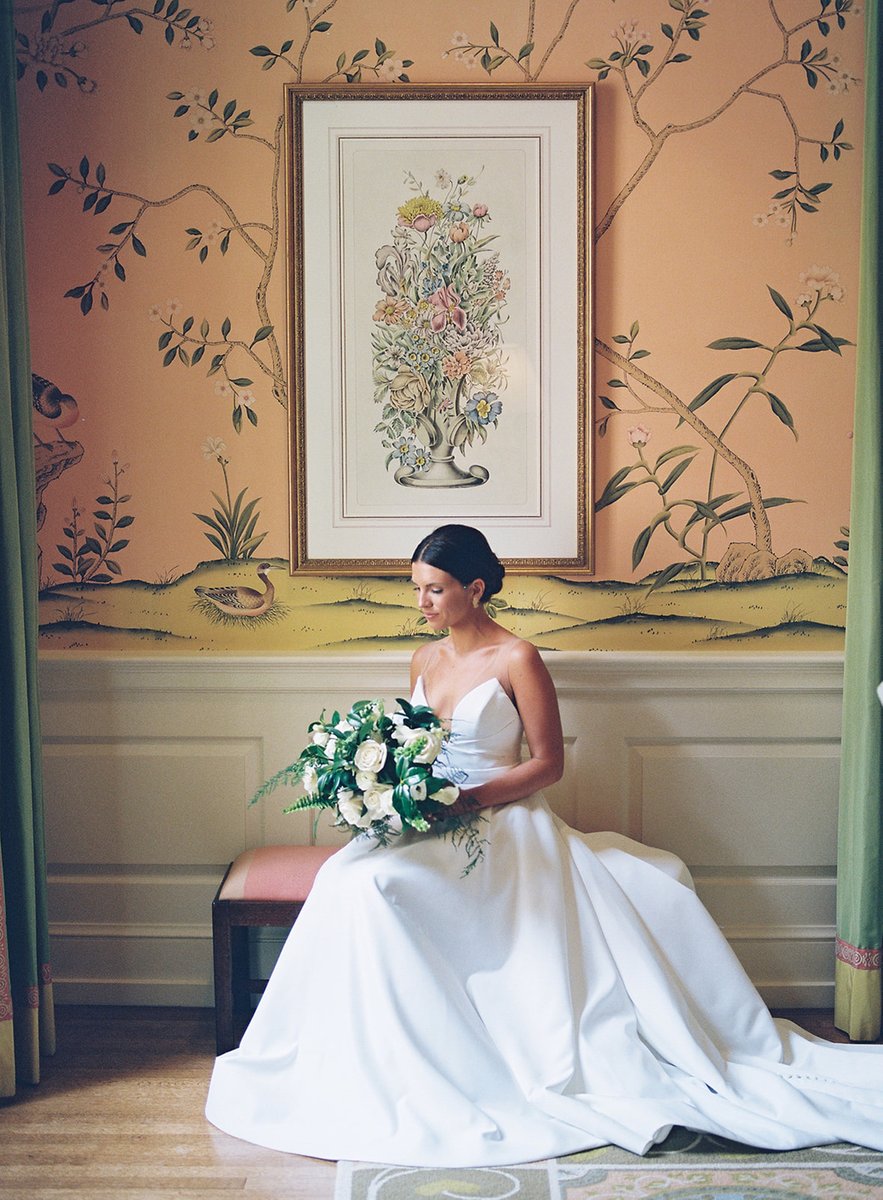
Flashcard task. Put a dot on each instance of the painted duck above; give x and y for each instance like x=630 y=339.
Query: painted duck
x=241 y=601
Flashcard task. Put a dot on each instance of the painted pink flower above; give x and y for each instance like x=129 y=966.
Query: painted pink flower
x=422 y=224
x=479 y=210
x=639 y=435
x=459 y=232
x=446 y=303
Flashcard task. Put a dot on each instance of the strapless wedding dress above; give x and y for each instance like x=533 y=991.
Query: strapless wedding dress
x=569 y=992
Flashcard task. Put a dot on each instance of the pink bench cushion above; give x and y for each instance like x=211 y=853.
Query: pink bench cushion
x=275 y=872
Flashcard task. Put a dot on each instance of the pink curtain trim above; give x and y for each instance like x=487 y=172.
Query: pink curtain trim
x=5 y=992
x=862 y=958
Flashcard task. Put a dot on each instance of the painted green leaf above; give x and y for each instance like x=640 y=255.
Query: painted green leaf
x=138 y=246
x=735 y=343
x=675 y=474
x=671 y=572
x=831 y=343
x=260 y=51
x=782 y=174
x=642 y=541
x=495 y=34
x=262 y=333
x=781 y=303
x=675 y=452
x=710 y=389
x=611 y=495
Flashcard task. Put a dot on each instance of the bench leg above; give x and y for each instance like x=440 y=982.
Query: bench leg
x=223 y=953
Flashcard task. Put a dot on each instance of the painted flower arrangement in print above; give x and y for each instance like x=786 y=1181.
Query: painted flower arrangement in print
x=438 y=363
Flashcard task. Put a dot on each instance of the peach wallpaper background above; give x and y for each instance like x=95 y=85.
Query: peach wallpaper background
x=728 y=173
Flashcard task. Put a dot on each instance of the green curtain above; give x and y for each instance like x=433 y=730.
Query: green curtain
x=26 y=1013
x=859 y=869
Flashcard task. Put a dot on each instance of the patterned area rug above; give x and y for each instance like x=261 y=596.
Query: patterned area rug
x=687 y=1166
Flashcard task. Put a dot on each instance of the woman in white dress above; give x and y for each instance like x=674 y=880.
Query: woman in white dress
x=570 y=991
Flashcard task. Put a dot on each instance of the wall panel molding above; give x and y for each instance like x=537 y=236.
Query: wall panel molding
x=151 y=764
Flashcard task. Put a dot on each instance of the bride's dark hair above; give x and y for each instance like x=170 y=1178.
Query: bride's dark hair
x=463 y=552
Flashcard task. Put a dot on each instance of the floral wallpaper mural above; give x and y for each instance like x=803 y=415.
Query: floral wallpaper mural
x=727 y=174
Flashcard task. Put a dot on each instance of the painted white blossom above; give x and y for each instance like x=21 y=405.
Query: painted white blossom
x=213 y=448
x=824 y=281
x=639 y=435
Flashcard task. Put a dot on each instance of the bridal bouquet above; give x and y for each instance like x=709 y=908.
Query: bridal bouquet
x=374 y=771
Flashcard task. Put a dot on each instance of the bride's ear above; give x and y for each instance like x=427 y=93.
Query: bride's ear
x=476 y=591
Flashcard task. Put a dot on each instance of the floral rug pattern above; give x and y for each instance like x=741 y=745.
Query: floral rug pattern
x=686 y=1166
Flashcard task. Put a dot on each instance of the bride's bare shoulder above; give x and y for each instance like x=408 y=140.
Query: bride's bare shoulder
x=422 y=655
x=523 y=658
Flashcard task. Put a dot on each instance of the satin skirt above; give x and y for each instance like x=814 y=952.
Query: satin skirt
x=570 y=992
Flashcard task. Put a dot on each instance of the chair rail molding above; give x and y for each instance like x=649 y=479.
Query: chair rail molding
x=730 y=761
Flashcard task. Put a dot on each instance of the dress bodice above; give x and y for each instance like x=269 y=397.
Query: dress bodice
x=485 y=734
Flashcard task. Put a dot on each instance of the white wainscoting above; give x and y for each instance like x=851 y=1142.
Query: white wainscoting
x=731 y=762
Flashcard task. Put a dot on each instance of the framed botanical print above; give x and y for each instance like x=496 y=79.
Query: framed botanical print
x=440 y=322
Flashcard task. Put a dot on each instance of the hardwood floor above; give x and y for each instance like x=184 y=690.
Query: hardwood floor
x=119 y=1116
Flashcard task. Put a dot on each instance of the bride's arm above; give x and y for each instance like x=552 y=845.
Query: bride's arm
x=537 y=704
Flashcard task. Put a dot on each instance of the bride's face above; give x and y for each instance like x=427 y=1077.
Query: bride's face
x=442 y=599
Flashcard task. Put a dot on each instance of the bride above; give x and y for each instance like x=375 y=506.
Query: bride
x=570 y=991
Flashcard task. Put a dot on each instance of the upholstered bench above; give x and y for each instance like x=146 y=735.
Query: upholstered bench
x=262 y=888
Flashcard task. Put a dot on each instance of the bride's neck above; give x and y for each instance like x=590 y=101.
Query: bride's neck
x=471 y=635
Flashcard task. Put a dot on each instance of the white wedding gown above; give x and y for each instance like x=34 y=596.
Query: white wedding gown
x=569 y=992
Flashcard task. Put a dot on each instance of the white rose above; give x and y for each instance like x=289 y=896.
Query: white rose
x=423 y=745
x=330 y=746
x=343 y=727
x=351 y=809
x=320 y=736
x=365 y=780
x=370 y=755
x=447 y=794
x=378 y=802
x=430 y=752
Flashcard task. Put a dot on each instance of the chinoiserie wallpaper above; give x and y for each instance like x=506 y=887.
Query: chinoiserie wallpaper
x=727 y=184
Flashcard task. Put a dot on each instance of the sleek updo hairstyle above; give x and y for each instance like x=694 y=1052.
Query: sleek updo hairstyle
x=463 y=552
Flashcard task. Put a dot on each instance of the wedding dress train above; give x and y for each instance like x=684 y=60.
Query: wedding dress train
x=569 y=992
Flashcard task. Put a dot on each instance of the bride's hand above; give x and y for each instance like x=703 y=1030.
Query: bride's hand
x=465 y=805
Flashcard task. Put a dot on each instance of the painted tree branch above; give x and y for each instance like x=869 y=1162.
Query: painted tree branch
x=762 y=530
x=659 y=138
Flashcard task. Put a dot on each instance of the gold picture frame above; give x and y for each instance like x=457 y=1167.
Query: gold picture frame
x=440 y=318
